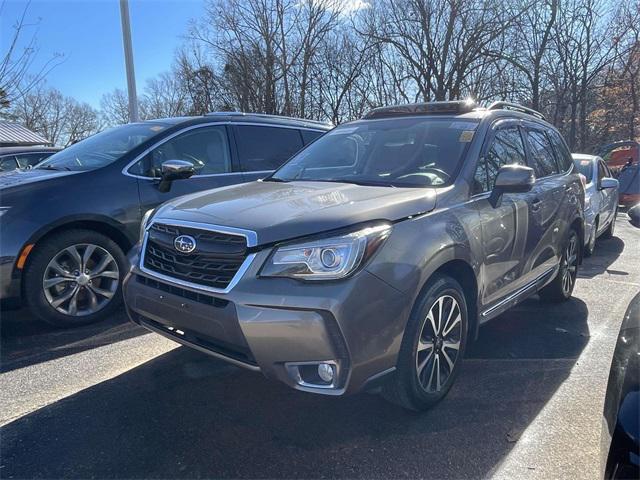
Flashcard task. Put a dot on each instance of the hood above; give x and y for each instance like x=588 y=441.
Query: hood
x=281 y=211
x=16 y=178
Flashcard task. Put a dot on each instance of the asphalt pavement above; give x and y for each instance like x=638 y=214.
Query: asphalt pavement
x=112 y=401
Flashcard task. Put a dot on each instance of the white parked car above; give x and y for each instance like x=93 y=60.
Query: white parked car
x=601 y=199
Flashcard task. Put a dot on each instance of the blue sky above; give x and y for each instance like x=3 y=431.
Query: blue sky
x=88 y=34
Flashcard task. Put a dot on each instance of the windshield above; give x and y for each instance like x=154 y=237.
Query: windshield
x=407 y=152
x=101 y=149
x=585 y=167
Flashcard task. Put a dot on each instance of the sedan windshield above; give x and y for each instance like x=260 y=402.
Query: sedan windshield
x=406 y=152
x=101 y=149
x=585 y=167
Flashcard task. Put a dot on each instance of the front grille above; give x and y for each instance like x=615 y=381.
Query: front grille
x=215 y=261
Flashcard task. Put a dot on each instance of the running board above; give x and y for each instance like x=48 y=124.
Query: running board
x=519 y=295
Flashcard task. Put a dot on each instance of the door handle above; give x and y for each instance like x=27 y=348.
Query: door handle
x=536 y=204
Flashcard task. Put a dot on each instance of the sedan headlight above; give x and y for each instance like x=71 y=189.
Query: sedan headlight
x=145 y=222
x=328 y=258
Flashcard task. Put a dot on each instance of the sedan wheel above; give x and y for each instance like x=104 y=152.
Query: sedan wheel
x=81 y=280
x=439 y=344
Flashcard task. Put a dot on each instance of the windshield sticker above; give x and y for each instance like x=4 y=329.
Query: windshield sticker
x=584 y=163
x=463 y=125
x=466 y=136
x=156 y=128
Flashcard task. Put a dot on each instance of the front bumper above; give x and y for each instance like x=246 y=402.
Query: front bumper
x=277 y=325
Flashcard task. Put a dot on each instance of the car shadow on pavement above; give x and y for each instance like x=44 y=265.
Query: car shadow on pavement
x=606 y=253
x=185 y=415
x=25 y=341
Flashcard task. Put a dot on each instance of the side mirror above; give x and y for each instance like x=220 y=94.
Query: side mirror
x=512 y=179
x=174 y=170
x=608 y=182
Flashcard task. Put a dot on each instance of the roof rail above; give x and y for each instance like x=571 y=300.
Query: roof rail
x=426 y=108
x=266 y=115
x=515 y=107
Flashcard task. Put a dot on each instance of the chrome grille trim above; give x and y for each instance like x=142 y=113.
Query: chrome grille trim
x=250 y=236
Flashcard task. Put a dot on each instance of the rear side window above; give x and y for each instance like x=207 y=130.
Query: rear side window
x=602 y=172
x=542 y=155
x=563 y=156
x=265 y=148
x=309 y=136
x=8 y=163
x=506 y=149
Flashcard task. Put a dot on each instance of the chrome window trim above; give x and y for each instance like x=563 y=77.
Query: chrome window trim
x=250 y=236
x=125 y=170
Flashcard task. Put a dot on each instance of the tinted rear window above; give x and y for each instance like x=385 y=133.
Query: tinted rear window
x=265 y=148
x=563 y=156
x=542 y=153
x=310 y=135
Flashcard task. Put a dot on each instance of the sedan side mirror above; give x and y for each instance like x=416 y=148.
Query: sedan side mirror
x=174 y=170
x=608 y=182
x=512 y=179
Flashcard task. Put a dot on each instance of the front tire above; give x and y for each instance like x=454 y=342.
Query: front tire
x=609 y=232
x=591 y=245
x=74 y=278
x=561 y=287
x=432 y=347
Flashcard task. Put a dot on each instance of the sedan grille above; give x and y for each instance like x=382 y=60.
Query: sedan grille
x=213 y=263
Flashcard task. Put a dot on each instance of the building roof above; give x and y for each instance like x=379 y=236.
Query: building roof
x=14 y=134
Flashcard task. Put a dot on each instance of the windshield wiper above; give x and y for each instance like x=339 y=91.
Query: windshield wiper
x=51 y=167
x=363 y=183
x=275 y=179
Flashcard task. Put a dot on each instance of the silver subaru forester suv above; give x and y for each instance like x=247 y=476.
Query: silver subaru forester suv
x=371 y=258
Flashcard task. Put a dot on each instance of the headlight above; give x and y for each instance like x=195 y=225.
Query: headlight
x=145 y=221
x=326 y=258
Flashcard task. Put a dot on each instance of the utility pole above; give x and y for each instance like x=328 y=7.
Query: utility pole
x=128 y=60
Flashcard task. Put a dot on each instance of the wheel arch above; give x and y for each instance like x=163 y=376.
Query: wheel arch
x=101 y=224
x=456 y=263
x=578 y=225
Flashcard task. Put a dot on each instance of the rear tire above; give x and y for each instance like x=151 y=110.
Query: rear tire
x=74 y=278
x=432 y=347
x=609 y=232
x=561 y=287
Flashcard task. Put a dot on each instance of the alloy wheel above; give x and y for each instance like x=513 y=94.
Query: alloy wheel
x=570 y=264
x=438 y=345
x=81 y=280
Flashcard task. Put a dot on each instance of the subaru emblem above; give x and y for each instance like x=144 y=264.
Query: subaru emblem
x=184 y=243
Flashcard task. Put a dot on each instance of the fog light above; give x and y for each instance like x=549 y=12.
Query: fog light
x=325 y=372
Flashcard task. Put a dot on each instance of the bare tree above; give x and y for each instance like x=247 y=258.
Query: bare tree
x=114 y=107
x=164 y=96
x=62 y=120
x=17 y=73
